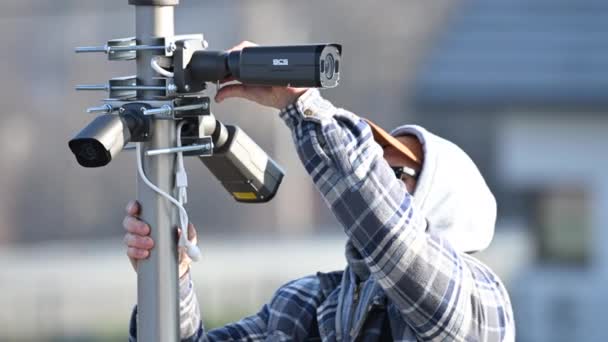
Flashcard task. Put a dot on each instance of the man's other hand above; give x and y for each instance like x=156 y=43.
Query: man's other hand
x=140 y=244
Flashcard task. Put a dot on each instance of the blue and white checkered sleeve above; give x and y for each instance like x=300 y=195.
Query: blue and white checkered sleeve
x=289 y=316
x=441 y=294
x=252 y=328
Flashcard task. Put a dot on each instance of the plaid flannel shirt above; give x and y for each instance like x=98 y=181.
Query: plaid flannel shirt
x=419 y=287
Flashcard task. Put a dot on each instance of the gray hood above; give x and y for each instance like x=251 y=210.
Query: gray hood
x=450 y=193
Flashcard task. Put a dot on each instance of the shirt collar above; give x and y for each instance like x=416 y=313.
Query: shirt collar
x=356 y=262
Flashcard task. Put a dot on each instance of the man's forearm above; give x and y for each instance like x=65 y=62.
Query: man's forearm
x=189 y=311
x=441 y=293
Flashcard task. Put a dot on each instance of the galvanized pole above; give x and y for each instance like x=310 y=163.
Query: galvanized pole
x=157 y=277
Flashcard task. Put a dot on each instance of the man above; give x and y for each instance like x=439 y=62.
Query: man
x=413 y=205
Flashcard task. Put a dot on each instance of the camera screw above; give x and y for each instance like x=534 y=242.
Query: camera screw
x=171 y=47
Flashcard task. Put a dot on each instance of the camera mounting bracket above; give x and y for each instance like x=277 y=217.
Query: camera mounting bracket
x=138 y=123
x=184 y=49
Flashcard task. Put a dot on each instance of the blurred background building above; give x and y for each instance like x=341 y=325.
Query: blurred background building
x=521 y=85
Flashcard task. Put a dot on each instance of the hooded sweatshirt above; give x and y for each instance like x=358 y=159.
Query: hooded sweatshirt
x=451 y=194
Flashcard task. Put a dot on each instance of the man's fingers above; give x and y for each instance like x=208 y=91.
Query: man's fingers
x=257 y=94
x=241 y=46
x=135 y=226
x=137 y=254
x=133 y=208
x=231 y=90
x=139 y=242
x=227 y=79
x=191 y=232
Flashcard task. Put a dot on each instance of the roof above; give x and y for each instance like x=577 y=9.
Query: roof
x=519 y=52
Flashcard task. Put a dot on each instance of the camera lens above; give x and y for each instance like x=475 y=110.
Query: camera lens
x=100 y=140
x=329 y=66
x=88 y=151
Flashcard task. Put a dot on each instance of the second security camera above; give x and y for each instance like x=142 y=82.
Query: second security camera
x=105 y=137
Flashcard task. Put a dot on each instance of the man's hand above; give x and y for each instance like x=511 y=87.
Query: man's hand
x=271 y=96
x=139 y=244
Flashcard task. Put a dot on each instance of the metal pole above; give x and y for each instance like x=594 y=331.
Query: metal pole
x=157 y=277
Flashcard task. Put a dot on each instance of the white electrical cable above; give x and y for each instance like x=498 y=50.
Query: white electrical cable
x=181 y=181
x=181 y=178
x=159 y=69
x=193 y=251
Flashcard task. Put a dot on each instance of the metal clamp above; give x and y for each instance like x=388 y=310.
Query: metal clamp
x=125 y=49
x=126 y=87
x=167 y=110
x=103 y=109
x=120 y=49
x=205 y=149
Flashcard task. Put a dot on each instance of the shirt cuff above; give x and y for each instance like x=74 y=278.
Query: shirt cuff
x=310 y=106
x=190 y=319
x=189 y=312
x=185 y=285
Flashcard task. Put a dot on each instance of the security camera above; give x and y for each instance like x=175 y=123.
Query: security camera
x=103 y=138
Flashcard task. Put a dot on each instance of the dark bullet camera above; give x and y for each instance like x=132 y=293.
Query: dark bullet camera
x=297 y=66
